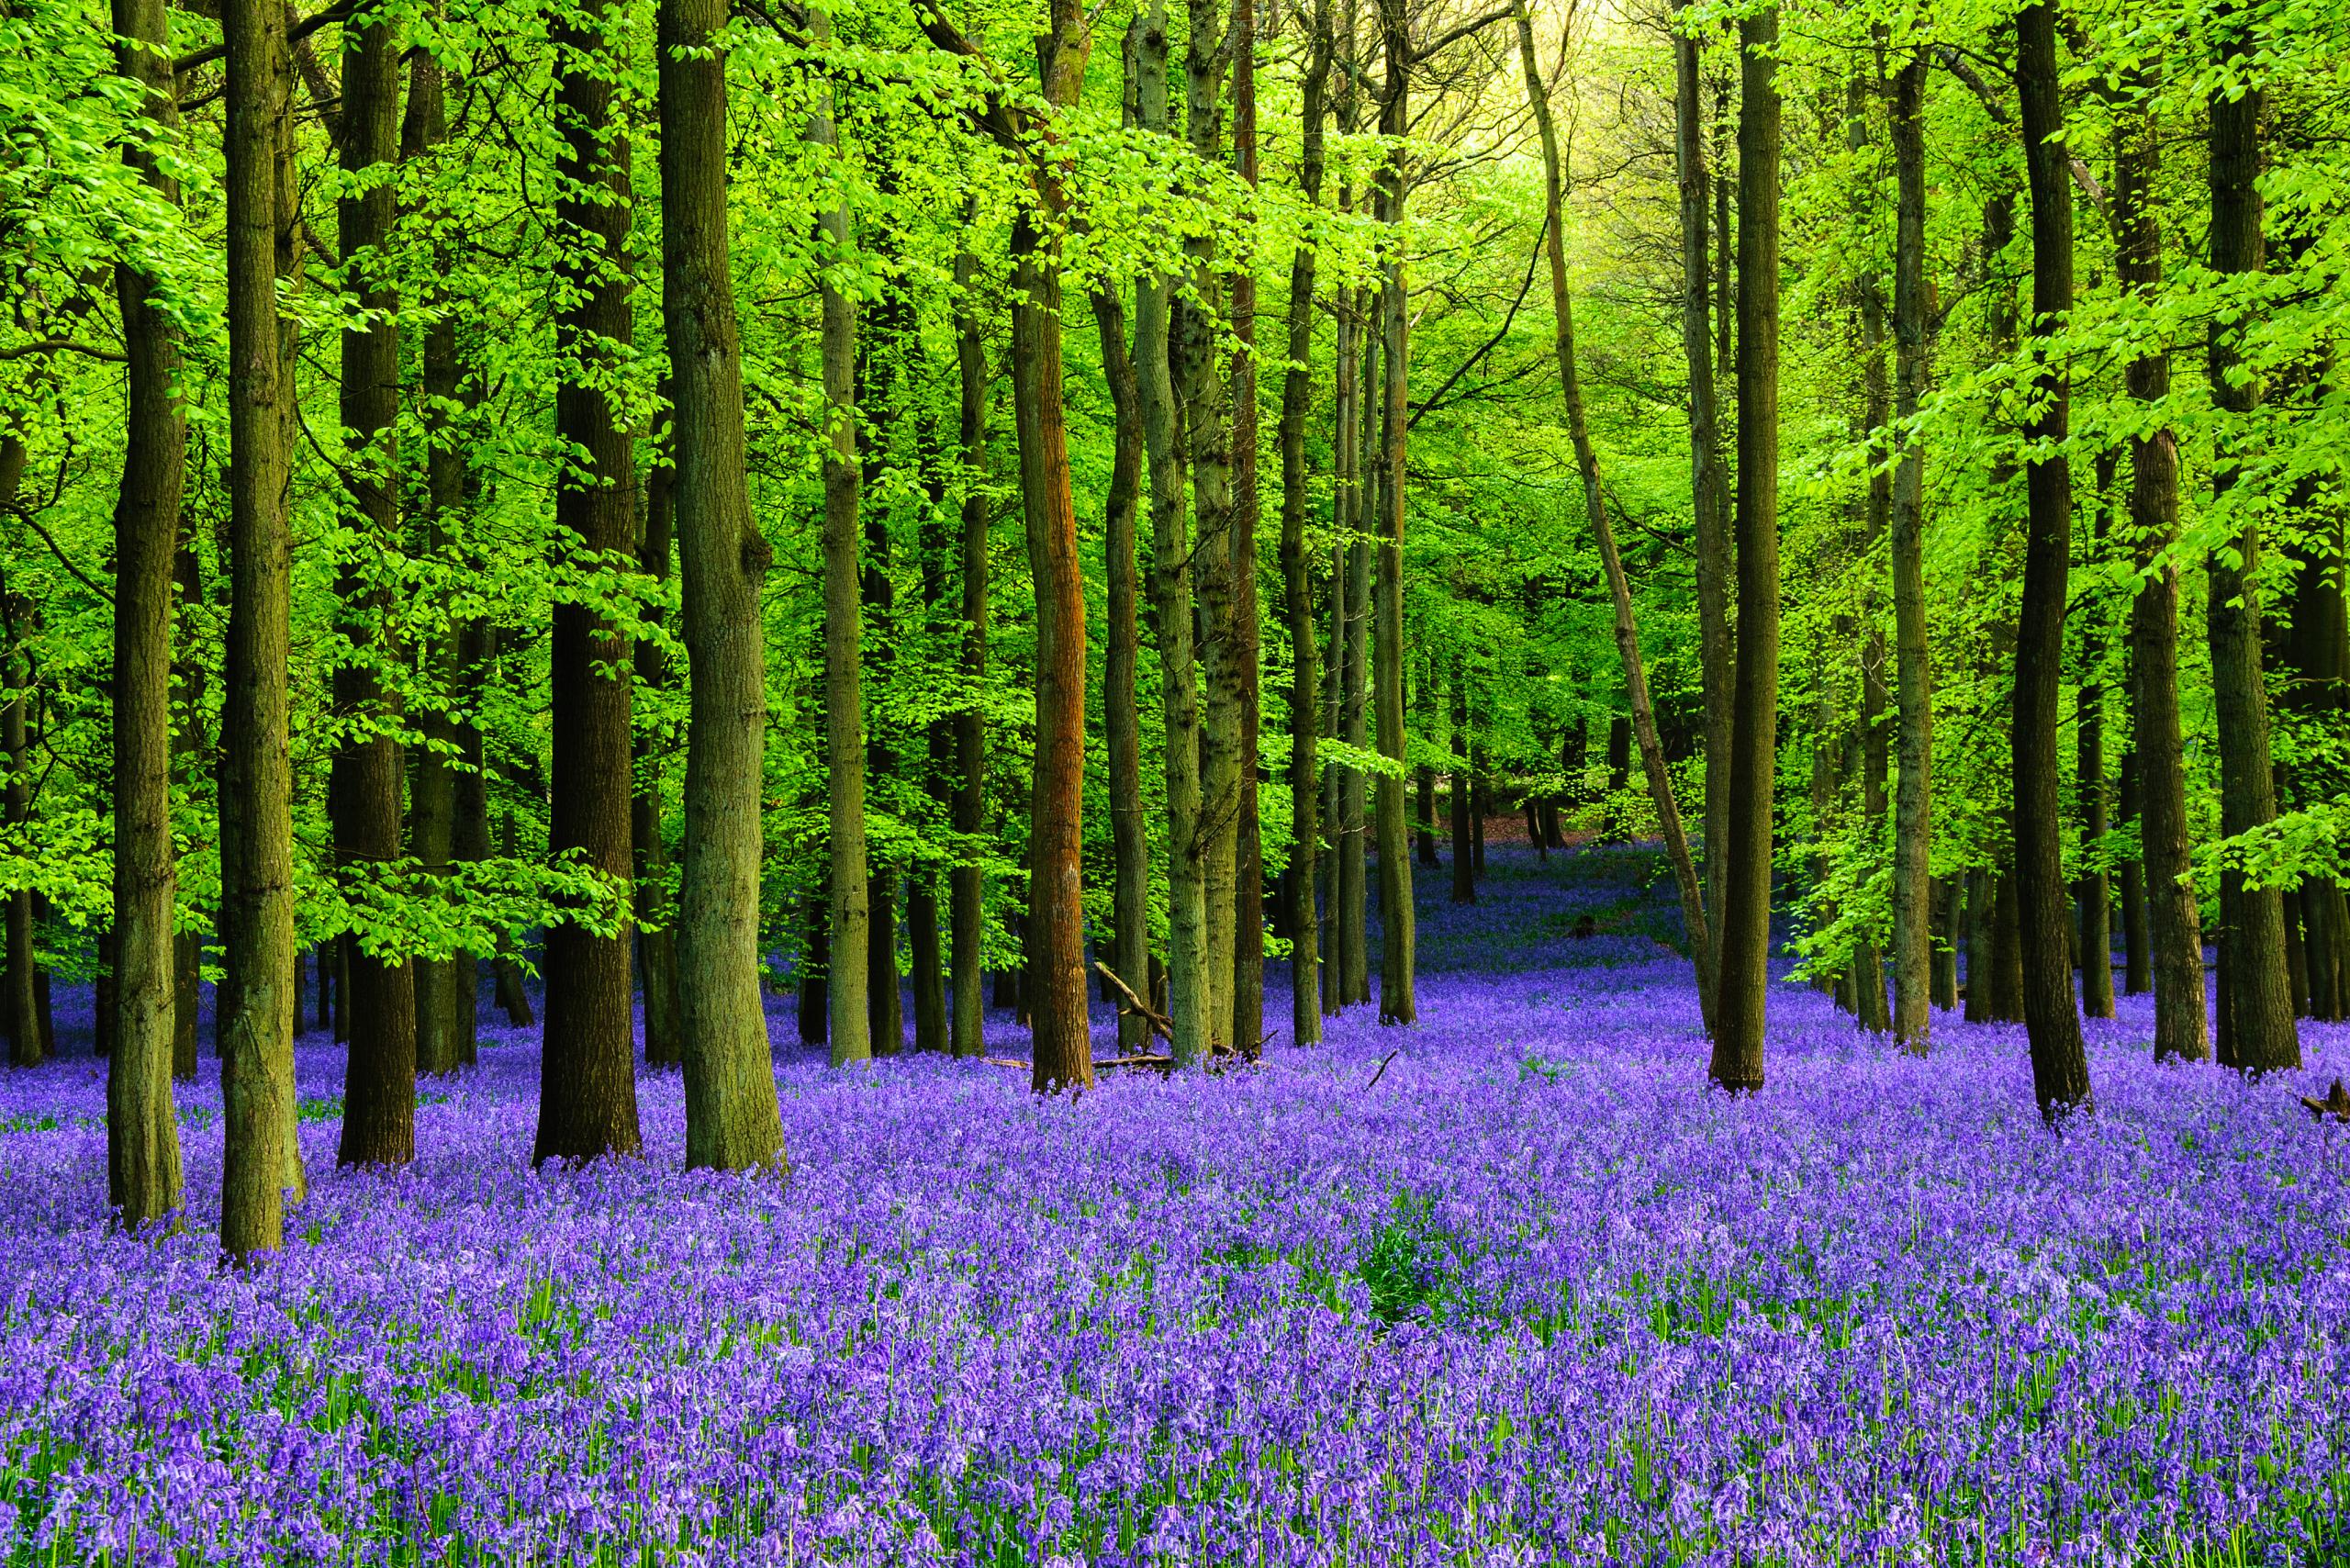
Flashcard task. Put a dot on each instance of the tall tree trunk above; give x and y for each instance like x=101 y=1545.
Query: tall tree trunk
x=1745 y=943
x=1196 y=329
x=1868 y=962
x=2318 y=655
x=2059 y=1063
x=2137 y=977
x=966 y=908
x=2174 y=919
x=1398 y=956
x=1603 y=531
x=262 y=1169
x=379 y=1088
x=656 y=932
x=1248 y=851
x=734 y=1120
x=1423 y=704
x=1297 y=577
x=1351 y=922
x=1464 y=854
x=1055 y=991
x=588 y=1059
x=432 y=792
x=187 y=750
x=1912 y=652
x=1707 y=489
x=1171 y=594
x=1945 y=904
x=143 y=1175
x=2257 y=988
x=1130 y=847
x=849 y=971
x=2094 y=893
x=870 y=404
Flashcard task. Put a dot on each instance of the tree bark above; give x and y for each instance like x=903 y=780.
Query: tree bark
x=1352 y=611
x=2094 y=892
x=588 y=1059
x=2059 y=1062
x=1248 y=850
x=734 y=1120
x=1055 y=991
x=379 y=1086
x=1912 y=651
x=1130 y=847
x=143 y=1175
x=2174 y=919
x=1745 y=943
x=966 y=910
x=870 y=404
x=1398 y=957
x=2257 y=992
x=1171 y=584
x=1706 y=481
x=656 y=931
x=2136 y=976
x=1464 y=854
x=262 y=1169
x=1297 y=578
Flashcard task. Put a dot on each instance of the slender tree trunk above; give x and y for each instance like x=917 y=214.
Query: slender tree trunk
x=2094 y=893
x=432 y=800
x=1912 y=651
x=966 y=911
x=1745 y=946
x=2137 y=977
x=261 y=1171
x=2059 y=1062
x=1056 y=992
x=21 y=1004
x=1603 y=531
x=1248 y=851
x=871 y=405
x=1464 y=854
x=1424 y=704
x=734 y=1120
x=1945 y=899
x=2257 y=993
x=2173 y=921
x=1352 y=921
x=1297 y=578
x=588 y=1062
x=1171 y=593
x=815 y=1008
x=1398 y=957
x=1130 y=847
x=187 y=750
x=656 y=933
x=143 y=1175
x=1706 y=484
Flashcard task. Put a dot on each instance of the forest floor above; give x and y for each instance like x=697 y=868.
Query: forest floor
x=1533 y=1295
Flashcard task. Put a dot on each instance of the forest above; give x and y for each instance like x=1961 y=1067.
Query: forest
x=1081 y=782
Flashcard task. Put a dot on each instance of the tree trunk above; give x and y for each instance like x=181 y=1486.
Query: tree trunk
x=1745 y=943
x=261 y=1171
x=1398 y=956
x=20 y=1008
x=1707 y=489
x=734 y=1120
x=2257 y=990
x=656 y=932
x=2174 y=919
x=2094 y=893
x=885 y=997
x=815 y=1008
x=1352 y=935
x=1944 y=903
x=1912 y=652
x=432 y=799
x=379 y=1087
x=1297 y=577
x=1055 y=991
x=2059 y=1063
x=2135 y=976
x=143 y=1175
x=966 y=910
x=588 y=1059
x=1130 y=847
x=1248 y=850
x=1464 y=854
x=1171 y=594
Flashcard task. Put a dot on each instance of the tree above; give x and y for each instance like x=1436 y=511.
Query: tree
x=143 y=1175
x=1913 y=666
x=263 y=1167
x=734 y=1120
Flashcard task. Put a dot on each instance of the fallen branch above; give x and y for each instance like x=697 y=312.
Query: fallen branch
x=1383 y=1070
x=1136 y=1007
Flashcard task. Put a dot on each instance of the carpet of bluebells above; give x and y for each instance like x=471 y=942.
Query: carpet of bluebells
x=1534 y=1296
